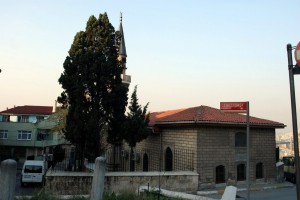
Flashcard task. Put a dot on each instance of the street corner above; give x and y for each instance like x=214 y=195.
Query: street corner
x=221 y=191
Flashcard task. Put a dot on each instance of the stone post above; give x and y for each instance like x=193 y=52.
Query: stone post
x=98 y=179
x=8 y=172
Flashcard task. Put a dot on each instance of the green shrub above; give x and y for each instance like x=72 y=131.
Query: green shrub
x=40 y=196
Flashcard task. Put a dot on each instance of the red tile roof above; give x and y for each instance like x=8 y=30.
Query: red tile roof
x=207 y=115
x=29 y=110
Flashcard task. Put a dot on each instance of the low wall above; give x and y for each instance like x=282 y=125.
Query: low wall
x=72 y=183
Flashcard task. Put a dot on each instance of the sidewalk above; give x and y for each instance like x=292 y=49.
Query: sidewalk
x=242 y=187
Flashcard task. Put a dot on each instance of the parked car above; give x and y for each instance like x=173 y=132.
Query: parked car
x=33 y=171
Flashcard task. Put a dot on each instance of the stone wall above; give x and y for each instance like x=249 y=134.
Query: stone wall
x=68 y=183
x=72 y=183
x=150 y=146
x=213 y=146
x=181 y=141
x=216 y=146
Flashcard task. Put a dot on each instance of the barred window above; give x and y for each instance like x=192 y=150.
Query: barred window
x=220 y=174
x=240 y=139
x=145 y=162
x=168 y=160
x=259 y=170
x=241 y=172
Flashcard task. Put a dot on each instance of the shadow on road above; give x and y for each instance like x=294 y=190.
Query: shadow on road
x=28 y=189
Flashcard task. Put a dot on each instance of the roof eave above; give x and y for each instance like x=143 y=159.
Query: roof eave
x=219 y=123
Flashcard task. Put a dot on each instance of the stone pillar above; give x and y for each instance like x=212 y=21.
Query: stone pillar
x=98 y=179
x=8 y=172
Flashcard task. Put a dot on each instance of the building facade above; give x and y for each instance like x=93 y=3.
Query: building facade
x=25 y=131
x=209 y=142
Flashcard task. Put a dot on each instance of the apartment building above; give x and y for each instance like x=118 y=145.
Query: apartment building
x=26 y=131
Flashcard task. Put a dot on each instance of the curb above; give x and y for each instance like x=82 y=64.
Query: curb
x=255 y=188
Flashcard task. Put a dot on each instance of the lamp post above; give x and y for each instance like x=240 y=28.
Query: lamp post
x=292 y=71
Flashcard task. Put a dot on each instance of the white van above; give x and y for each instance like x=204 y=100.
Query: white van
x=33 y=171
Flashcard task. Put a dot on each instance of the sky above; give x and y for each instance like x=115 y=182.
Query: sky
x=180 y=53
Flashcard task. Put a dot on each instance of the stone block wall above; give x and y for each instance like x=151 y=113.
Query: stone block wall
x=216 y=146
x=181 y=141
x=263 y=146
x=131 y=181
x=68 y=183
x=150 y=146
x=73 y=183
x=213 y=150
x=211 y=146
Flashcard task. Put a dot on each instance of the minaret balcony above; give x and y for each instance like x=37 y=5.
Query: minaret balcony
x=126 y=79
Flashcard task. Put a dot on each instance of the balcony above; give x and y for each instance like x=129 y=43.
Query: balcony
x=126 y=79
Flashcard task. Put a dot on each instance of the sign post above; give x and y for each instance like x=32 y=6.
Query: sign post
x=241 y=107
x=297 y=54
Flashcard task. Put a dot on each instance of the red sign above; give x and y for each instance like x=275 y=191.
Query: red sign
x=233 y=106
x=297 y=53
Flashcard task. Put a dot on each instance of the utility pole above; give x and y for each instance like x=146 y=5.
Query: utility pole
x=294 y=70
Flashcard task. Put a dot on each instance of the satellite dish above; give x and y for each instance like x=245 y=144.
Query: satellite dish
x=34 y=121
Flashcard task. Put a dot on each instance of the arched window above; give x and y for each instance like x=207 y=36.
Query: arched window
x=168 y=160
x=220 y=174
x=240 y=139
x=145 y=162
x=241 y=172
x=132 y=161
x=259 y=170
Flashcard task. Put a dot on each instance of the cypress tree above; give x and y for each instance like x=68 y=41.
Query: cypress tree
x=92 y=87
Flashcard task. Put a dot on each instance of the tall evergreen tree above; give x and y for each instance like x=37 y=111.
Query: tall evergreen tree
x=137 y=121
x=93 y=89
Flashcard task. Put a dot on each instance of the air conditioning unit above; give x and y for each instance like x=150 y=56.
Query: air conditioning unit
x=136 y=157
x=124 y=153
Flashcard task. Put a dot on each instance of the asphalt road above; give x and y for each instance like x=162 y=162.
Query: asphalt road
x=28 y=190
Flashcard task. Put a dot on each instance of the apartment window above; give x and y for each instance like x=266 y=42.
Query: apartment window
x=24 y=118
x=5 y=118
x=3 y=134
x=240 y=139
x=24 y=135
x=42 y=135
x=39 y=118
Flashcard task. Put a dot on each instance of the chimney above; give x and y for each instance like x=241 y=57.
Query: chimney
x=54 y=107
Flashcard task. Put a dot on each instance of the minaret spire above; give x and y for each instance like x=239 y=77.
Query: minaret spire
x=122 y=54
x=122 y=49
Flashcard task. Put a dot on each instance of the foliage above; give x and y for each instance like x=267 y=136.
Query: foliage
x=40 y=196
x=58 y=154
x=59 y=118
x=93 y=89
x=137 y=120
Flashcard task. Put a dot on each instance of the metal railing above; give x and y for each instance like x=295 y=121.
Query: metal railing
x=120 y=159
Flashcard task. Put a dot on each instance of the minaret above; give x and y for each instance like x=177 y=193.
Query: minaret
x=122 y=55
